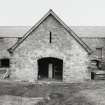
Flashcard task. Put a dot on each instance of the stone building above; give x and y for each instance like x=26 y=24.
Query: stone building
x=50 y=50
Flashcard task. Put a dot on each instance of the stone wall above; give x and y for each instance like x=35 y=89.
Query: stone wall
x=5 y=44
x=75 y=59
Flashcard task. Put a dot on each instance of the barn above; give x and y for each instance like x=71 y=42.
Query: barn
x=51 y=51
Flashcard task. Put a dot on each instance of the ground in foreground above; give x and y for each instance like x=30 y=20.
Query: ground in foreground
x=21 y=93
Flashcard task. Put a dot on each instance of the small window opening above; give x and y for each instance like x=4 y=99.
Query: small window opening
x=5 y=62
x=50 y=37
x=99 y=53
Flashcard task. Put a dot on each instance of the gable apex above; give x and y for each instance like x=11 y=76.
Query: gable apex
x=50 y=12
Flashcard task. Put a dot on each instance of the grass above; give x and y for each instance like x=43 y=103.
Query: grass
x=88 y=93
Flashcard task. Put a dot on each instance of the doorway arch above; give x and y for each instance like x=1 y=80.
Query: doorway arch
x=50 y=68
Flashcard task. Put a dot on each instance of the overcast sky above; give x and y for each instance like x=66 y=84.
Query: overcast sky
x=72 y=12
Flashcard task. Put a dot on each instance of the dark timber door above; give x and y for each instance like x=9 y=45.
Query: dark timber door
x=50 y=68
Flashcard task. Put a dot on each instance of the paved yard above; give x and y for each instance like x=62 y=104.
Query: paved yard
x=22 y=93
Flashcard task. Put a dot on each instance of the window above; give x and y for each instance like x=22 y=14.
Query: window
x=50 y=37
x=4 y=62
x=99 y=53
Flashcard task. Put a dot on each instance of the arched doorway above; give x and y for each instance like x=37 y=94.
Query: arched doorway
x=50 y=68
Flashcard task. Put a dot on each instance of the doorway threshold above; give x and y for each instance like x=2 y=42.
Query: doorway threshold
x=48 y=81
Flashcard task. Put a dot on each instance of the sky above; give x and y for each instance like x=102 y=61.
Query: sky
x=72 y=12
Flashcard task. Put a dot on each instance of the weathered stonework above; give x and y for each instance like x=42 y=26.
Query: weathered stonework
x=6 y=43
x=75 y=59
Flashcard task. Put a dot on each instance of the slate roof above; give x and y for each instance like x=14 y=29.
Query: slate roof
x=94 y=42
x=89 y=31
x=81 y=31
x=13 y=31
